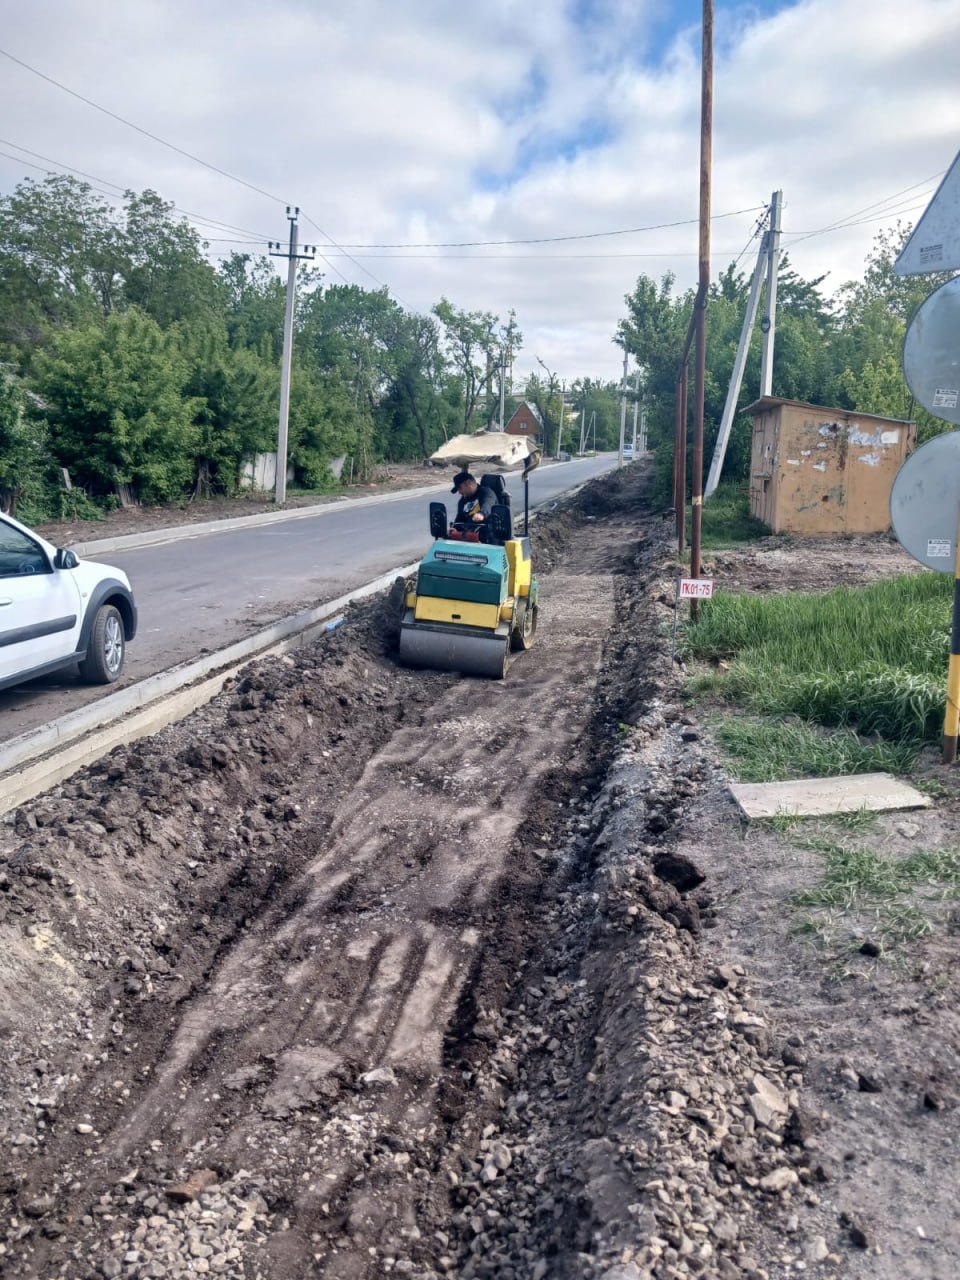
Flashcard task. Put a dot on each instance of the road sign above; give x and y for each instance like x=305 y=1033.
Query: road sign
x=696 y=588
x=931 y=353
x=934 y=244
x=925 y=502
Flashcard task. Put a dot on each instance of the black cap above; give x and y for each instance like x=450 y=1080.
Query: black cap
x=459 y=478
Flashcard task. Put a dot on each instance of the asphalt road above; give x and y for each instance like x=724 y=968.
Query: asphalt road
x=202 y=592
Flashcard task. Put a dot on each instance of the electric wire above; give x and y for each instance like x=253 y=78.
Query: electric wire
x=105 y=182
x=146 y=132
x=588 y=235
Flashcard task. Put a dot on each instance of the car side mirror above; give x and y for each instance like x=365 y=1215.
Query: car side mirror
x=65 y=559
x=438 y=520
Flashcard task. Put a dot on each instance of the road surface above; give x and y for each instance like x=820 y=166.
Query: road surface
x=201 y=593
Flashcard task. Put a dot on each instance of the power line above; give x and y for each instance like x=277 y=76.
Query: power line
x=197 y=217
x=847 y=219
x=146 y=132
x=589 y=235
x=862 y=222
x=523 y=257
x=349 y=258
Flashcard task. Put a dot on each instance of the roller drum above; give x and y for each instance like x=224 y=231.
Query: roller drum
x=448 y=650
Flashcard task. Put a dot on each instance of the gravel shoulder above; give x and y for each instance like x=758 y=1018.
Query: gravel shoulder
x=363 y=972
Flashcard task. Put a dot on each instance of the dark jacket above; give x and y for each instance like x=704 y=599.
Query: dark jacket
x=485 y=499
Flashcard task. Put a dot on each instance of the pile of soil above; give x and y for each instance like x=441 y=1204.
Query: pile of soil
x=361 y=972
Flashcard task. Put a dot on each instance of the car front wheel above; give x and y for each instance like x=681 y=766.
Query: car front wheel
x=107 y=648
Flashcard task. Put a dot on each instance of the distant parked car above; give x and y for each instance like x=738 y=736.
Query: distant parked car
x=628 y=453
x=57 y=610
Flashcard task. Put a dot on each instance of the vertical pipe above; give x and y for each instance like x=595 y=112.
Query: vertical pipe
x=706 y=150
x=682 y=466
x=676 y=449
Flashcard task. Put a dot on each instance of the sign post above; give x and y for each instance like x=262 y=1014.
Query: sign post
x=692 y=589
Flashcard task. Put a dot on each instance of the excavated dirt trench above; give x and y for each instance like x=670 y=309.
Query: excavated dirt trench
x=363 y=972
x=263 y=942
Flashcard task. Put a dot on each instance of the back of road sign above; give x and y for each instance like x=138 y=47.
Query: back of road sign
x=931 y=353
x=925 y=502
x=934 y=244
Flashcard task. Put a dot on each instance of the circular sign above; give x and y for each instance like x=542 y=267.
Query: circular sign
x=931 y=353
x=925 y=502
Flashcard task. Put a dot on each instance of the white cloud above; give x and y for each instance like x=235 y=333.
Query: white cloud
x=432 y=121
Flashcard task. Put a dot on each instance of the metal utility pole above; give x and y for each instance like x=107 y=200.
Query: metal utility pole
x=583 y=424
x=706 y=166
x=623 y=409
x=643 y=430
x=736 y=378
x=292 y=256
x=636 y=405
x=768 y=325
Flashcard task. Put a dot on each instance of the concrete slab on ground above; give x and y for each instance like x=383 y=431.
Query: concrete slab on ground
x=812 y=797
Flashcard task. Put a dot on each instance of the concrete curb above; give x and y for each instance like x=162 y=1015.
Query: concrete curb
x=36 y=761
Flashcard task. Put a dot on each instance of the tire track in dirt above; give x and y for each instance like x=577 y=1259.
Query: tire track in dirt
x=360 y=964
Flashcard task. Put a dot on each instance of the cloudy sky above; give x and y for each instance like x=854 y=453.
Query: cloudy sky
x=433 y=122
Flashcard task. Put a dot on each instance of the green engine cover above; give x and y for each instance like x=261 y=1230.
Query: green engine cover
x=464 y=571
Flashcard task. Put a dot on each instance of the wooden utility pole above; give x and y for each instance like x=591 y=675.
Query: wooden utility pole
x=700 y=359
x=292 y=256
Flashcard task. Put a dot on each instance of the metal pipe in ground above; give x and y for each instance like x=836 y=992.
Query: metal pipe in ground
x=682 y=466
x=700 y=359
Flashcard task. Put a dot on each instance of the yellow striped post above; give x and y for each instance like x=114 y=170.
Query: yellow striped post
x=951 y=717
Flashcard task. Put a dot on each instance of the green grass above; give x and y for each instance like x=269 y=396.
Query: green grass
x=871 y=658
x=894 y=900
x=772 y=751
x=726 y=520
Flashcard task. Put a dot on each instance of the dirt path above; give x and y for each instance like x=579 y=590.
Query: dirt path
x=426 y=976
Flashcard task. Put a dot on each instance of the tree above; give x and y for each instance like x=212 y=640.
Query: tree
x=167 y=276
x=61 y=258
x=22 y=449
x=254 y=298
x=236 y=395
x=470 y=338
x=118 y=412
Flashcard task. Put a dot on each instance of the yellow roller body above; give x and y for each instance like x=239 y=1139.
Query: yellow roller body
x=434 y=609
x=520 y=566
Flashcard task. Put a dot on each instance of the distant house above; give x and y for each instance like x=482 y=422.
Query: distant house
x=526 y=421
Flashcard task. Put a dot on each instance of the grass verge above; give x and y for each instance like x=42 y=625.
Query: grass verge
x=775 y=750
x=871 y=661
x=727 y=521
x=864 y=894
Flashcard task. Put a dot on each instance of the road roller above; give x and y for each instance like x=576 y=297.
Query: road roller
x=475 y=600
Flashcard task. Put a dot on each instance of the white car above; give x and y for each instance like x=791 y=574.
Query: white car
x=57 y=610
